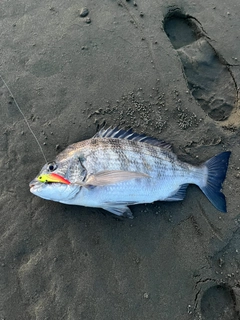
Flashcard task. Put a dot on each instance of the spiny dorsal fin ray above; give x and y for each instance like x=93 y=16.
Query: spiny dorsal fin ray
x=130 y=135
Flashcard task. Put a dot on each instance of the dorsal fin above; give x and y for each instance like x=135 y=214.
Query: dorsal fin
x=130 y=135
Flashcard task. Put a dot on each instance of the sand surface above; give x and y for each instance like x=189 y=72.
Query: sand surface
x=169 y=69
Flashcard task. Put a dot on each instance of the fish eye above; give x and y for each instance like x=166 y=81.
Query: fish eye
x=52 y=166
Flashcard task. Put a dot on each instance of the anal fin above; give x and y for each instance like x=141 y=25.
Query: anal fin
x=180 y=194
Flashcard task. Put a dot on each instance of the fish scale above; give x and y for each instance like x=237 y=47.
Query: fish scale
x=127 y=155
x=118 y=168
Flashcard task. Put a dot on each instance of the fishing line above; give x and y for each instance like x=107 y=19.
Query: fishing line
x=25 y=119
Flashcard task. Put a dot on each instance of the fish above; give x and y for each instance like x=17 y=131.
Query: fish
x=117 y=168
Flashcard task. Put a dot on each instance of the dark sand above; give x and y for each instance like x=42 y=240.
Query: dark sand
x=174 y=79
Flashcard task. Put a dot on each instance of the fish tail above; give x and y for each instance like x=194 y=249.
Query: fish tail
x=217 y=169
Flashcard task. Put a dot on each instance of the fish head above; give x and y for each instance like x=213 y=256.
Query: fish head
x=54 y=182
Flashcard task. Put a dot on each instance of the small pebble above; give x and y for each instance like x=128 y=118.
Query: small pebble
x=146 y=295
x=84 y=12
x=88 y=20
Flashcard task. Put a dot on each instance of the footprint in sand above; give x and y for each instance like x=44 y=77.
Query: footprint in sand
x=212 y=84
x=208 y=75
x=218 y=302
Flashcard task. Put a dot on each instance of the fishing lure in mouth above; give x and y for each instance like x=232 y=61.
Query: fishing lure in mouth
x=52 y=177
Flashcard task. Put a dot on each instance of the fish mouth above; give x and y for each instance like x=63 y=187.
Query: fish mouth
x=53 y=190
x=33 y=183
x=36 y=183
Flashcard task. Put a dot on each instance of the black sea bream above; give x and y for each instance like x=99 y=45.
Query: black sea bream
x=117 y=168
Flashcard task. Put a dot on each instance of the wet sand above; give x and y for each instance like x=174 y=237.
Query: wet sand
x=168 y=69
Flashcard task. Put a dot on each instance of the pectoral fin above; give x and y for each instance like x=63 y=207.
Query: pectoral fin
x=112 y=176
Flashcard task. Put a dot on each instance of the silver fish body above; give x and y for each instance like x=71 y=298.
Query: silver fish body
x=118 y=168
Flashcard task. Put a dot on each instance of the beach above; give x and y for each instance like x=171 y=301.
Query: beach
x=169 y=69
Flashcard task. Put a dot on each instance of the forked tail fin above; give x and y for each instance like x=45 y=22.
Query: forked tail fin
x=217 y=169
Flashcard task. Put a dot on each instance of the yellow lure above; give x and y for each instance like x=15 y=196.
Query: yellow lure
x=52 y=177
